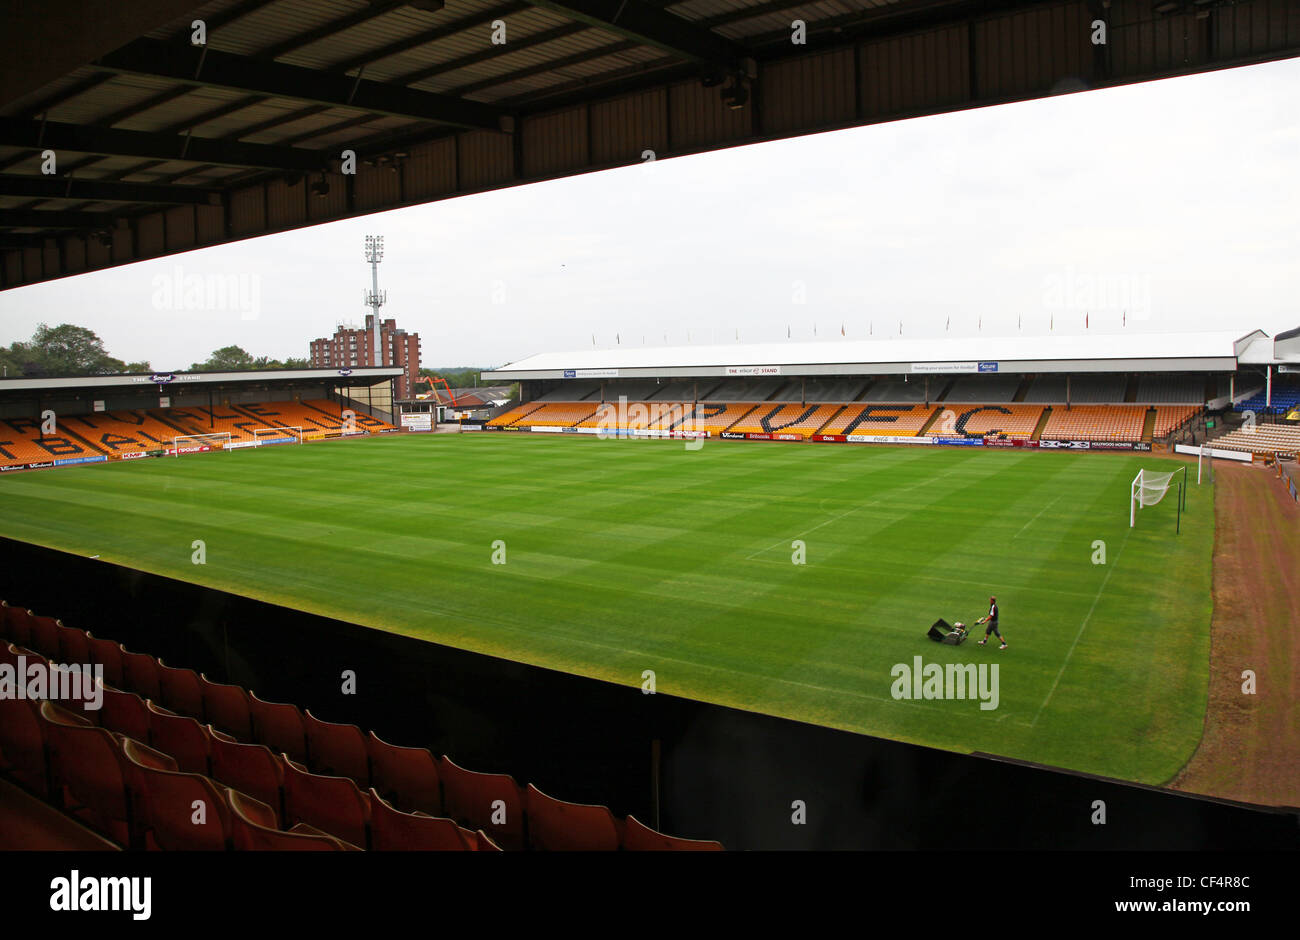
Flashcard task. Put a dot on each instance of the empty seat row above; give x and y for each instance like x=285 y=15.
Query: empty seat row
x=143 y=797
x=257 y=747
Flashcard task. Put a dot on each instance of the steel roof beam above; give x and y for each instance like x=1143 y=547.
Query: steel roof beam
x=91 y=190
x=195 y=66
x=54 y=218
x=34 y=135
x=650 y=26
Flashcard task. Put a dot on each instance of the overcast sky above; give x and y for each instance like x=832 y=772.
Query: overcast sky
x=1177 y=201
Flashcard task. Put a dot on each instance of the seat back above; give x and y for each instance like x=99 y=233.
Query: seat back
x=22 y=744
x=227 y=708
x=248 y=836
x=18 y=626
x=74 y=645
x=491 y=802
x=407 y=777
x=279 y=727
x=124 y=712
x=638 y=837
x=252 y=769
x=109 y=655
x=86 y=762
x=180 y=811
x=140 y=675
x=180 y=690
x=556 y=825
x=331 y=804
x=44 y=635
x=336 y=750
x=183 y=738
x=394 y=831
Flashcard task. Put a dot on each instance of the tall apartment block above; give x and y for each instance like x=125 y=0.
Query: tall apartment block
x=354 y=346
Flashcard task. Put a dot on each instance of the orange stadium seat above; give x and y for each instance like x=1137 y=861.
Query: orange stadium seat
x=716 y=417
x=119 y=432
x=881 y=419
x=332 y=411
x=1096 y=423
x=789 y=419
x=515 y=413
x=557 y=414
x=22 y=442
x=1170 y=417
x=1011 y=421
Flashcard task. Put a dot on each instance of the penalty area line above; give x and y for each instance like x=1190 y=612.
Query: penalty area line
x=1035 y=519
x=874 y=502
x=1100 y=591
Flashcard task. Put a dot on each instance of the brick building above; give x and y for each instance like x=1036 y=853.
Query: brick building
x=352 y=346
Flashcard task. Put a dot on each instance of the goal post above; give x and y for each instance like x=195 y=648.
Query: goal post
x=1148 y=489
x=1205 y=464
x=284 y=435
x=197 y=443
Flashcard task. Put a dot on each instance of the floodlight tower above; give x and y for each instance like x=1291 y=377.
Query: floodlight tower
x=375 y=298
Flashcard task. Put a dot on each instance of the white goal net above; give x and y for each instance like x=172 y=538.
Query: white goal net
x=286 y=435
x=1148 y=489
x=198 y=443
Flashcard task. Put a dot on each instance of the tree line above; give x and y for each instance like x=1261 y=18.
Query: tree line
x=68 y=350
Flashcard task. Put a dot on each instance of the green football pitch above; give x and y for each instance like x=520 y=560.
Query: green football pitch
x=624 y=556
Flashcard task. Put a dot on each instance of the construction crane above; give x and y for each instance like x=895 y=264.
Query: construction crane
x=434 y=381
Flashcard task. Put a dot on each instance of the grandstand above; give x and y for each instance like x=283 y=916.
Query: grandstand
x=1116 y=392
x=60 y=422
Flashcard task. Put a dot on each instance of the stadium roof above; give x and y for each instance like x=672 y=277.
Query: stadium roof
x=1090 y=352
x=168 y=141
x=370 y=375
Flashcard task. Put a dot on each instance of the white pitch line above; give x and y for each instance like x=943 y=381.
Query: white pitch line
x=874 y=502
x=1101 y=590
x=1035 y=519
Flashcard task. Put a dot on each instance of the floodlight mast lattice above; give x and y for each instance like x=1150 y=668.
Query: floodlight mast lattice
x=375 y=298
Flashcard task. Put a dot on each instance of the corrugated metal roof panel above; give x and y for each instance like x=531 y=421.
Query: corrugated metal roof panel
x=373 y=35
x=276 y=22
x=208 y=11
x=1097 y=346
